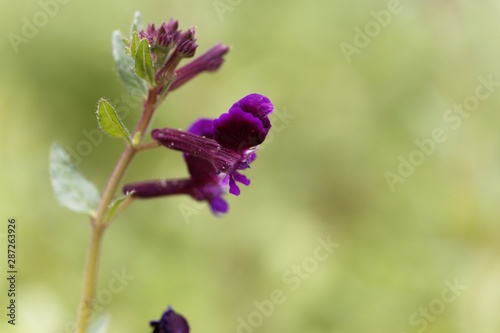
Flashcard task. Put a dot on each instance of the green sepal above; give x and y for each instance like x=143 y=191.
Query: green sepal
x=125 y=67
x=134 y=44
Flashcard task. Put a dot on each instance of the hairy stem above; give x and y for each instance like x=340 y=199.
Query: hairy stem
x=98 y=223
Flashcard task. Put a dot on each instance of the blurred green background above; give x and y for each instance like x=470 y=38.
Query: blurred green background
x=322 y=173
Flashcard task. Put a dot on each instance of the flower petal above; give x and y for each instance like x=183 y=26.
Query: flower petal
x=256 y=104
x=239 y=130
x=219 y=206
x=251 y=157
x=233 y=187
x=203 y=127
x=241 y=178
x=199 y=168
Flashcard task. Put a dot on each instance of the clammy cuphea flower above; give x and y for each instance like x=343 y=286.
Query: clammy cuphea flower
x=215 y=152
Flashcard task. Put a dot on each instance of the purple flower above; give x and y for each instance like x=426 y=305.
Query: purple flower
x=215 y=151
x=170 y=322
x=210 y=61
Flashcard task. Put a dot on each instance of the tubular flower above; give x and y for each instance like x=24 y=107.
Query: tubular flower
x=215 y=152
x=210 y=61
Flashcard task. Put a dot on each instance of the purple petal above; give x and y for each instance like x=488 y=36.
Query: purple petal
x=239 y=130
x=199 y=168
x=233 y=187
x=241 y=178
x=256 y=104
x=207 y=190
x=219 y=206
x=170 y=322
x=251 y=157
x=225 y=181
x=203 y=127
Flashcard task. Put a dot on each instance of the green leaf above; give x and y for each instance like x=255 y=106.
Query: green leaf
x=72 y=190
x=100 y=325
x=144 y=62
x=109 y=121
x=116 y=207
x=136 y=23
x=125 y=67
x=134 y=44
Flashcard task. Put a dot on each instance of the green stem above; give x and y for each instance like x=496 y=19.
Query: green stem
x=90 y=281
x=99 y=222
x=146 y=146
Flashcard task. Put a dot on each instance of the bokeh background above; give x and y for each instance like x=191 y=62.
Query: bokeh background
x=342 y=124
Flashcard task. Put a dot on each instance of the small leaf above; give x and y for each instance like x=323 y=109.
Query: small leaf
x=109 y=121
x=125 y=67
x=144 y=62
x=100 y=325
x=72 y=190
x=134 y=44
x=136 y=23
x=117 y=206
